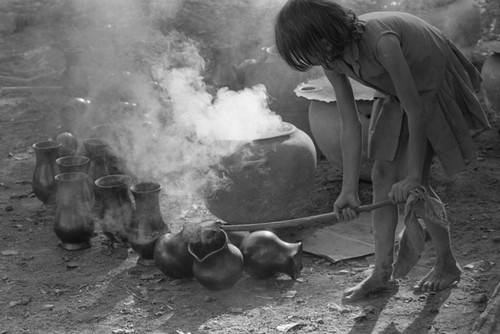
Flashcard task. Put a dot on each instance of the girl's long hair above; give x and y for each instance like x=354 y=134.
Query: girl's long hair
x=303 y=26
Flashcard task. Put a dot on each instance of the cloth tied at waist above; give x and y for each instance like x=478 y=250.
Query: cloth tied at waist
x=418 y=205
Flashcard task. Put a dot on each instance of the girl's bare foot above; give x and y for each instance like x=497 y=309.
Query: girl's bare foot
x=366 y=287
x=439 y=278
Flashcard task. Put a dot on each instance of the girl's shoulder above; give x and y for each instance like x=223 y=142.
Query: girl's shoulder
x=391 y=16
x=404 y=25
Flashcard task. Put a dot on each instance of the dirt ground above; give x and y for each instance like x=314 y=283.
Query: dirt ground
x=45 y=289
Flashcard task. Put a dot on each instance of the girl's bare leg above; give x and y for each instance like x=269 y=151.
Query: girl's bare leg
x=384 y=221
x=446 y=270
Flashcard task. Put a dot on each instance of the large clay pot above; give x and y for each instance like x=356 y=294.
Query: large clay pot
x=171 y=255
x=147 y=222
x=265 y=255
x=44 y=187
x=324 y=118
x=491 y=80
x=325 y=122
x=266 y=179
x=74 y=224
x=217 y=264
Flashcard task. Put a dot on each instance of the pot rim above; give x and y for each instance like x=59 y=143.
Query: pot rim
x=121 y=180
x=74 y=160
x=154 y=187
x=46 y=145
x=288 y=129
x=71 y=177
x=212 y=252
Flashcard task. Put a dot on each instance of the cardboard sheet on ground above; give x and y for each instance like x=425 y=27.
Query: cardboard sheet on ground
x=342 y=241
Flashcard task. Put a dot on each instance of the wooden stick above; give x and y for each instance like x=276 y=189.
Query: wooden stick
x=303 y=221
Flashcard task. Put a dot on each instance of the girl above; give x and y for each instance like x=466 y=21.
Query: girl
x=428 y=106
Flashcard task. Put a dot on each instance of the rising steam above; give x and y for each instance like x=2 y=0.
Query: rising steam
x=147 y=87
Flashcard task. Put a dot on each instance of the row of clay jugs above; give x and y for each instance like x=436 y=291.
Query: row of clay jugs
x=202 y=251
x=265 y=255
x=74 y=222
x=131 y=214
x=217 y=264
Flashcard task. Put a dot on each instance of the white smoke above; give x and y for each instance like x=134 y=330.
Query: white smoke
x=147 y=87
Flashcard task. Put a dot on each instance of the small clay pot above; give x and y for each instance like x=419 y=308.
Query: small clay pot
x=265 y=255
x=73 y=164
x=218 y=265
x=172 y=257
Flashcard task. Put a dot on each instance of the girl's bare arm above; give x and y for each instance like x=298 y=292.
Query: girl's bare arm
x=391 y=57
x=351 y=138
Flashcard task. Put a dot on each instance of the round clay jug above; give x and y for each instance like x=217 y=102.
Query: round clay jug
x=171 y=255
x=69 y=143
x=265 y=255
x=491 y=79
x=217 y=265
x=266 y=179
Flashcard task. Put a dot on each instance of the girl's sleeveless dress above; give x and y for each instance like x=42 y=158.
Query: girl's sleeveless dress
x=447 y=83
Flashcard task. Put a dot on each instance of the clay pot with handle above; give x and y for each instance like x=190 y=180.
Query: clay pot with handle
x=217 y=265
x=265 y=255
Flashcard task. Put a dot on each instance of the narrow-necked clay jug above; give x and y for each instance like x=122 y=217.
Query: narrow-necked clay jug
x=73 y=164
x=77 y=164
x=44 y=187
x=117 y=210
x=147 y=222
x=265 y=255
x=97 y=150
x=171 y=255
x=217 y=264
x=74 y=223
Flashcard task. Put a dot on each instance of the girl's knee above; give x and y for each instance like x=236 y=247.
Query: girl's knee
x=385 y=173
